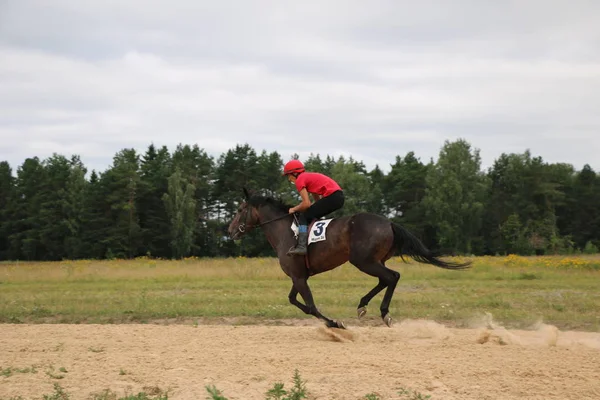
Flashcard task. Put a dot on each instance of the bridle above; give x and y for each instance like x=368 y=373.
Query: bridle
x=244 y=227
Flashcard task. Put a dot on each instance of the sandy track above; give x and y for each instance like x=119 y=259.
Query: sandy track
x=244 y=361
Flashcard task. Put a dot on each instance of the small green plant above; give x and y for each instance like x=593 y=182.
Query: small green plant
x=297 y=392
x=277 y=392
x=27 y=370
x=411 y=394
x=59 y=394
x=54 y=375
x=372 y=396
x=215 y=394
x=107 y=394
x=145 y=396
x=96 y=349
x=9 y=371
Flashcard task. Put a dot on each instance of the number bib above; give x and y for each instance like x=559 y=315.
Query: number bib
x=317 y=231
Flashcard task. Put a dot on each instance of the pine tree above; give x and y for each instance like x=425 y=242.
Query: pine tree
x=74 y=209
x=95 y=226
x=181 y=210
x=584 y=203
x=532 y=190
x=403 y=191
x=236 y=169
x=24 y=237
x=52 y=220
x=121 y=182
x=7 y=188
x=197 y=168
x=154 y=223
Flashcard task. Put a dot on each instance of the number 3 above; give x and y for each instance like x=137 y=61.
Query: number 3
x=318 y=228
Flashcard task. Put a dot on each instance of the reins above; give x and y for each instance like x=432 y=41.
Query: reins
x=242 y=226
x=274 y=219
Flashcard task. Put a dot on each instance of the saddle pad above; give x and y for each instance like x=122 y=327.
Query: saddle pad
x=317 y=230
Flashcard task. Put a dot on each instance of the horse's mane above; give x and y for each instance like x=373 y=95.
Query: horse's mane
x=257 y=201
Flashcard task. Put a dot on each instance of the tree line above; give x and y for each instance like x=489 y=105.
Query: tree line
x=173 y=205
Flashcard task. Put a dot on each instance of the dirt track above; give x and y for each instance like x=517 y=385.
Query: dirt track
x=245 y=361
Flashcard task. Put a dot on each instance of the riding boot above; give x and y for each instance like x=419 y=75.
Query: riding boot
x=300 y=248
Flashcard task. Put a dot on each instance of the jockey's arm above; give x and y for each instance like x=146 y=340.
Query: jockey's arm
x=304 y=204
x=316 y=196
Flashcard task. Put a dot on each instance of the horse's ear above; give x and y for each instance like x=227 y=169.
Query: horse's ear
x=246 y=194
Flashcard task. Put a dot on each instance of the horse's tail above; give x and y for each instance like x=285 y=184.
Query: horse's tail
x=410 y=245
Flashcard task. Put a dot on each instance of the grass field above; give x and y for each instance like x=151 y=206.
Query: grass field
x=517 y=291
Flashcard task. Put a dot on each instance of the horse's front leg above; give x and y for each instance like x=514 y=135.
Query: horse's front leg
x=293 y=297
x=301 y=286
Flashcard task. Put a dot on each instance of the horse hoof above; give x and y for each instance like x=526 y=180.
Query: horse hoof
x=335 y=324
x=388 y=320
x=362 y=311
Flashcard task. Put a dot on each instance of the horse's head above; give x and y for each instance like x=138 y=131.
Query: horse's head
x=244 y=219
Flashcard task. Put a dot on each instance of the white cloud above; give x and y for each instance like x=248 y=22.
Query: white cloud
x=387 y=77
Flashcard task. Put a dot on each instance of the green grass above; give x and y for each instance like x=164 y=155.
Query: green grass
x=60 y=393
x=9 y=371
x=107 y=394
x=277 y=392
x=297 y=391
x=517 y=291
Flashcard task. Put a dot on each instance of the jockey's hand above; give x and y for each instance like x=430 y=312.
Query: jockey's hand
x=291 y=211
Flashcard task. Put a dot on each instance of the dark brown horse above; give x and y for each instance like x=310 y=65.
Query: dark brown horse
x=366 y=240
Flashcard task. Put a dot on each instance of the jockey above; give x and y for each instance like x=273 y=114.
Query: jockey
x=326 y=192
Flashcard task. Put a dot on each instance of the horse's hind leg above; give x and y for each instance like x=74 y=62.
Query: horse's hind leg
x=366 y=299
x=388 y=279
x=387 y=296
x=301 y=286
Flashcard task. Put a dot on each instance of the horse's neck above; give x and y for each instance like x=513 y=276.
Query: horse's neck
x=278 y=231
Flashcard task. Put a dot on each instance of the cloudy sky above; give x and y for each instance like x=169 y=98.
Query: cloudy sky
x=369 y=79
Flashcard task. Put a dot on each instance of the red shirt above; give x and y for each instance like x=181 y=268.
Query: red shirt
x=315 y=182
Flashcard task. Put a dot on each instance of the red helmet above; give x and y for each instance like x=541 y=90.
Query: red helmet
x=293 y=166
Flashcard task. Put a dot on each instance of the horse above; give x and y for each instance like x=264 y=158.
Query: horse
x=366 y=240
